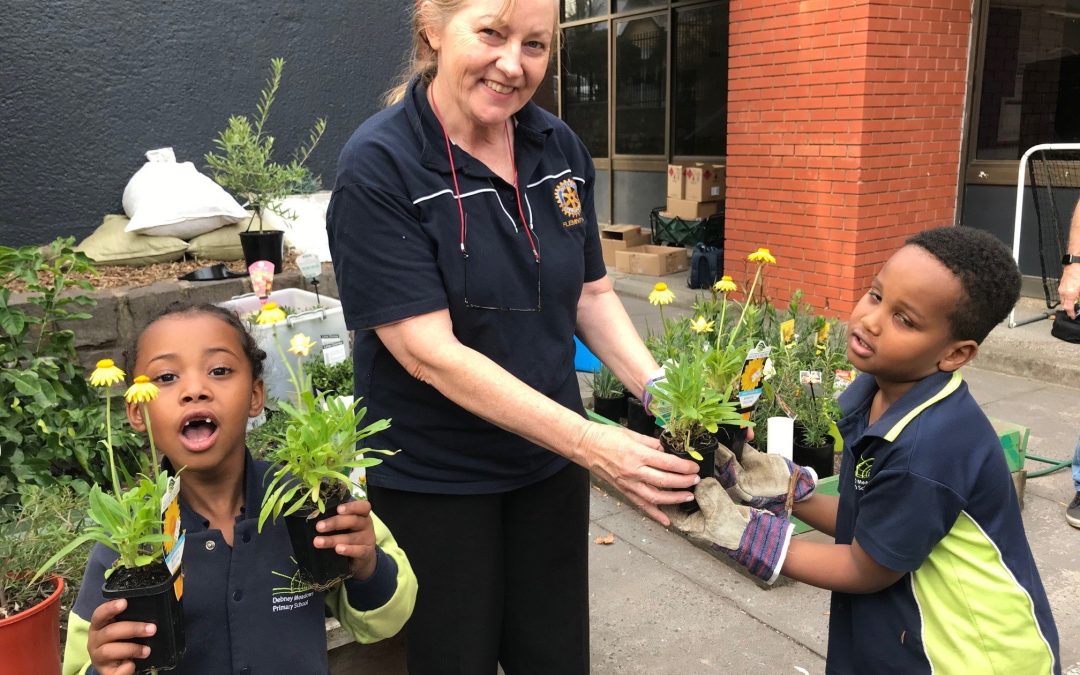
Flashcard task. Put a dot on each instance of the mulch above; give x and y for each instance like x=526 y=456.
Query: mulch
x=122 y=276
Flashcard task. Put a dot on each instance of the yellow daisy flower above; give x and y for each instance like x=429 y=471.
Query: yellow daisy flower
x=762 y=255
x=700 y=325
x=725 y=285
x=142 y=391
x=661 y=295
x=270 y=314
x=300 y=345
x=106 y=374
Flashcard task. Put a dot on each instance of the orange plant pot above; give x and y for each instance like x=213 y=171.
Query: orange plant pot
x=30 y=640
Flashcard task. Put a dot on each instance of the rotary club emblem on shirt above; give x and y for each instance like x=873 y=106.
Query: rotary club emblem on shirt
x=566 y=196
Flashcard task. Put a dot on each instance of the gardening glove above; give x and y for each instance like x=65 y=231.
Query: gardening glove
x=646 y=395
x=763 y=481
x=755 y=539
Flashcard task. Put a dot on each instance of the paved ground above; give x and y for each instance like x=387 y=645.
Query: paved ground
x=661 y=605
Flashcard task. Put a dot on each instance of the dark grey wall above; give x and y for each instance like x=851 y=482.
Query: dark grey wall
x=87 y=87
x=636 y=194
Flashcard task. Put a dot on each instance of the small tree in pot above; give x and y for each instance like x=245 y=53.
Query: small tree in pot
x=246 y=168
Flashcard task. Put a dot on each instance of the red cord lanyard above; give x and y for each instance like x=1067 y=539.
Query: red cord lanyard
x=457 y=190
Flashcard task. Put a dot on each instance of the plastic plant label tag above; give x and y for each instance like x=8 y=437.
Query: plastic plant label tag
x=333 y=349
x=174 y=548
x=309 y=265
x=262 y=278
x=787 y=331
x=753 y=374
x=843 y=379
x=811 y=382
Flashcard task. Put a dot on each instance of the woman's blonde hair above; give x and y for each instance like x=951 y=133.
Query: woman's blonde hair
x=423 y=60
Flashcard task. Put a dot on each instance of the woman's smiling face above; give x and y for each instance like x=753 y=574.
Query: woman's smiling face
x=490 y=64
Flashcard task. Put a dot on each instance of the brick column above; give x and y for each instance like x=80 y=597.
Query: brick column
x=844 y=126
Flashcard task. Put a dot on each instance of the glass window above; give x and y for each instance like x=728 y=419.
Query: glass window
x=640 y=79
x=585 y=84
x=699 y=95
x=632 y=5
x=573 y=10
x=1030 y=90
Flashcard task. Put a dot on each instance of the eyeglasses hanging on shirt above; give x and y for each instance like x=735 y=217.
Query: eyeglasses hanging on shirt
x=510 y=288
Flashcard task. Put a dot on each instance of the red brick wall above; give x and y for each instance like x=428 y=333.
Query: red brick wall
x=843 y=138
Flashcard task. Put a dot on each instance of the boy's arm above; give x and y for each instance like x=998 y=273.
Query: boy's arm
x=837 y=567
x=381 y=605
x=819 y=512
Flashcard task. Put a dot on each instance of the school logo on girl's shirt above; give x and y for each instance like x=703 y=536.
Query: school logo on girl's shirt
x=568 y=201
x=862 y=473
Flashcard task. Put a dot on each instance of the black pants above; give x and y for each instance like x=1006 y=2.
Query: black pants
x=503 y=578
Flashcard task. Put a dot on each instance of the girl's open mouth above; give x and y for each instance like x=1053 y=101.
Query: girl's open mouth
x=198 y=432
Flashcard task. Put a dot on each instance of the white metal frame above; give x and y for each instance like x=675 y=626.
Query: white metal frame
x=1013 y=323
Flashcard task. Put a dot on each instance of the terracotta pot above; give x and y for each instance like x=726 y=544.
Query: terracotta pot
x=153 y=601
x=637 y=420
x=318 y=566
x=30 y=640
x=613 y=408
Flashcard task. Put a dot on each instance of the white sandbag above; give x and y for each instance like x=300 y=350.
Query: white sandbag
x=305 y=223
x=166 y=198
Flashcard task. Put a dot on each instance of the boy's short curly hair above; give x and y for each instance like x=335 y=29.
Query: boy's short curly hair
x=254 y=354
x=986 y=270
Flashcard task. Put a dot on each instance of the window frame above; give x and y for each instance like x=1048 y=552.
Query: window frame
x=630 y=162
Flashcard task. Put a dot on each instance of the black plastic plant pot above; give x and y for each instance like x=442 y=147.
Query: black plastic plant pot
x=150 y=592
x=265 y=245
x=819 y=458
x=321 y=567
x=705 y=445
x=733 y=437
x=637 y=420
x=613 y=409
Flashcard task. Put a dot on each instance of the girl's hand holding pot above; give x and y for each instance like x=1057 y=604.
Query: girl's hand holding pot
x=112 y=651
x=353 y=536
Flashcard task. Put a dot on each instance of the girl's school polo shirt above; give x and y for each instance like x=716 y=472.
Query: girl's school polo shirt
x=395 y=235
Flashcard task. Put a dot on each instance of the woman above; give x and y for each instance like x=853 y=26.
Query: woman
x=466 y=282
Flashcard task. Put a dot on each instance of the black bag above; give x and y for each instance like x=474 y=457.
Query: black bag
x=1065 y=328
x=706 y=266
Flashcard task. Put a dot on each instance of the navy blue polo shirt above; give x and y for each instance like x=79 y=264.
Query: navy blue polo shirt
x=926 y=490
x=235 y=603
x=395 y=237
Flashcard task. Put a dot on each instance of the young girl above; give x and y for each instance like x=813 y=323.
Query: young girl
x=208 y=370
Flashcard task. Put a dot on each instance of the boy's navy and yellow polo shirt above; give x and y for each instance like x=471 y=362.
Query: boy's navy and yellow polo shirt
x=395 y=235
x=926 y=490
x=240 y=618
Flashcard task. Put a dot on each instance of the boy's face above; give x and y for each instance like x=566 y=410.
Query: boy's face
x=899 y=331
x=199 y=367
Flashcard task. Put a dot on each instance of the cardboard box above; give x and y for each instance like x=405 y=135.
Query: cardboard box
x=675 y=181
x=654 y=261
x=703 y=183
x=689 y=210
x=619 y=238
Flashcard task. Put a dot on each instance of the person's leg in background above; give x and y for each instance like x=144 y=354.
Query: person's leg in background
x=1072 y=512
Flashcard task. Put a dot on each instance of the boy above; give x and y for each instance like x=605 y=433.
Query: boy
x=931 y=570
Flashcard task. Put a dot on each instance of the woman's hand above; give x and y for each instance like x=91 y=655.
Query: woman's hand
x=637 y=466
x=355 y=536
x=109 y=642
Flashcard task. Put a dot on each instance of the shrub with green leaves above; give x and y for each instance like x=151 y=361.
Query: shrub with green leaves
x=604 y=384
x=334 y=380
x=244 y=163
x=51 y=425
x=689 y=405
x=35 y=526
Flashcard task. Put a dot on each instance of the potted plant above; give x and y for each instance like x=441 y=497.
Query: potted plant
x=691 y=409
x=809 y=353
x=31 y=529
x=312 y=467
x=142 y=525
x=246 y=168
x=609 y=396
